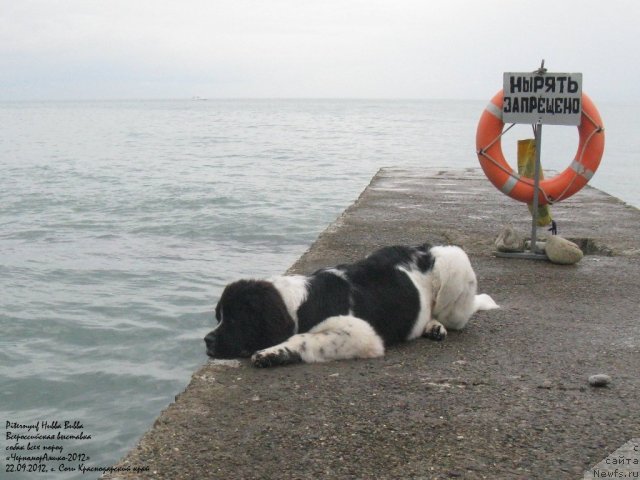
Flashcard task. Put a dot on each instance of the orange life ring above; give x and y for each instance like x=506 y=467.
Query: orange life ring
x=552 y=189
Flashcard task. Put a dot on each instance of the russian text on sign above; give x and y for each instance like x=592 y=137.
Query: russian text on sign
x=546 y=98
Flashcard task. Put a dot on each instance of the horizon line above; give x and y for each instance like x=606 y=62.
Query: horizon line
x=230 y=98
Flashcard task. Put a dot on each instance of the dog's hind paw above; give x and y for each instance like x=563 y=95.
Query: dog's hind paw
x=273 y=357
x=435 y=331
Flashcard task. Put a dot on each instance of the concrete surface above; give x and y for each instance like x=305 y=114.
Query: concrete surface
x=506 y=398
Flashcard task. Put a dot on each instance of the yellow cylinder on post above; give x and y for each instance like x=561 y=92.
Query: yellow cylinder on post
x=526 y=168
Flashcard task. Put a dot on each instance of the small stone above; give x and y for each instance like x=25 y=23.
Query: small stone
x=509 y=241
x=599 y=380
x=562 y=251
x=546 y=385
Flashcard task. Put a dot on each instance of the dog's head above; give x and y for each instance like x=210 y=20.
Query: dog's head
x=251 y=316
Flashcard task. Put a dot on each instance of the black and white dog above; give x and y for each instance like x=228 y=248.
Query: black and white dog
x=350 y=311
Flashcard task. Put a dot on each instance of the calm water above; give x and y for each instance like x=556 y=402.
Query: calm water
x=120 y=223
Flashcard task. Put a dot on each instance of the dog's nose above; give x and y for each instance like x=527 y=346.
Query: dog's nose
x=210 y=341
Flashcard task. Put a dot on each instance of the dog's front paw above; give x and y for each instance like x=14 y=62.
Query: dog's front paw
x=435 y=331
x=260 y=360
x=274 y=357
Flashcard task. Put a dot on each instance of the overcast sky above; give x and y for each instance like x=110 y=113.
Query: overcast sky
x=86 y=49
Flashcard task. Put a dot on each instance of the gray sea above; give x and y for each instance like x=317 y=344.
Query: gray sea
x=121 y=222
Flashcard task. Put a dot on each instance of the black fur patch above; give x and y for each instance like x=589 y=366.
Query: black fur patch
x=328 y=296
x=253 y=316
x=373 y=289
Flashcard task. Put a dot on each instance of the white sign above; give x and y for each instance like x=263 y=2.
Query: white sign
x=546 y=98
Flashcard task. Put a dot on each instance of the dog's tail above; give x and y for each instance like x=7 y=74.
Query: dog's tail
x=484 y=302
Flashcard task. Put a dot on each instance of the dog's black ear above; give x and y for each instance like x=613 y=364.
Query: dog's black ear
x=278 y=324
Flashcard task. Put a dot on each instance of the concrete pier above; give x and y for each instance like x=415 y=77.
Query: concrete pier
x=506 y=398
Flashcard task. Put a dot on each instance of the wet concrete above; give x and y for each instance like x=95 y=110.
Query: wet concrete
x=506 y=398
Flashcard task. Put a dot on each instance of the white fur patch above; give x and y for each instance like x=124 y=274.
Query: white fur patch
x=484 y=302
x=454 y=288
x=336 y=338
x=338 y=273
x=423 y=283
x=294 y=290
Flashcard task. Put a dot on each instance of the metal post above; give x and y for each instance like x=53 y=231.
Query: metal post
x=536 y=185
x=533 y=253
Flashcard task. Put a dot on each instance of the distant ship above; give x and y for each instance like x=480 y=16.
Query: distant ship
x=198 y=98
